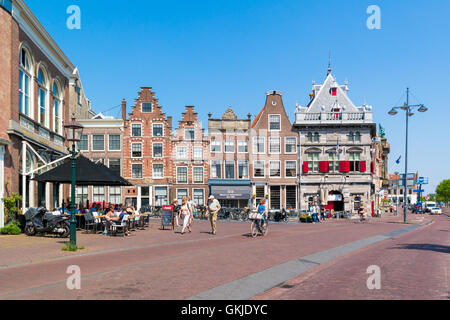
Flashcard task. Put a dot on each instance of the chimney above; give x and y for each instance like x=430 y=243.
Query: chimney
x=169 y=120
x=124 y=110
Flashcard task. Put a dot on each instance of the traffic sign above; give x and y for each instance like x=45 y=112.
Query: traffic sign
x=419 y=191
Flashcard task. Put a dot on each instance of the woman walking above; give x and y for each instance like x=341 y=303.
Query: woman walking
x=185 y=216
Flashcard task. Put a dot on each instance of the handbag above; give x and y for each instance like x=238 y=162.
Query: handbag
x=254 y=215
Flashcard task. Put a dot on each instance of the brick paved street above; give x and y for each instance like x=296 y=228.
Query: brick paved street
x=155 y=264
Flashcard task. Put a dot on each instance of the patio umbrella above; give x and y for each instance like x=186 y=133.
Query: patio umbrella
x=88 y=173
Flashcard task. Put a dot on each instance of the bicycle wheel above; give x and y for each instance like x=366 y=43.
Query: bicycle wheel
x=254 y=229
x=265 y=229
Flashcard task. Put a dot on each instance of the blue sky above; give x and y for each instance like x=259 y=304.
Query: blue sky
x=215 y=54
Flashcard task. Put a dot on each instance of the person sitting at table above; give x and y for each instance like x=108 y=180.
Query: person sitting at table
x=118 y=220
x=109 y=214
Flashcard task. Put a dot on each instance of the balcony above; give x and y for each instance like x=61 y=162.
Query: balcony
x=333 y=118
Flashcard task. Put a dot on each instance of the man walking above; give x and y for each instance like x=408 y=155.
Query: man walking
x=213 y=208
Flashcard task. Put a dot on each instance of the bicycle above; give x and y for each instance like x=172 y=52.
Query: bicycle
x=256 y=228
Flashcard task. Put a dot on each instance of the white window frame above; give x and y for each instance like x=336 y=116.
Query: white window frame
x=136 y=124
x=30 y=74
x=142 y=171
x=285 y=169
x=190 y=129
x=187 y=194
x=311 y=163
x=187 y=175
x=193 y=195
x=87 y=135
x=120 y=144
x=225 y=146
x=245 y=145
x=219 y=144
x=142 y=107
x=92 y=137
x=115 y=194
x=120 y=163
x=45 y=88
x=142 y=150
x=193 y=175
x=248 y=169
x=178 y=153
x=225 y=169
x=221 y=169
x=195 y=154
x=162 y=150
x=279 y=145
x=153 y=129
x=153 y=171
x=279 y=117
x=254 y=168
x=295 y=145
x=255 y=145
x=270 y=168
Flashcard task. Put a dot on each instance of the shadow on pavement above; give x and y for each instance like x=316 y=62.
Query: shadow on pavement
x=425 y=246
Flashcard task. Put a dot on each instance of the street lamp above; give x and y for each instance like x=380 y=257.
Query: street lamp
x=408 y=110
x=73 y=130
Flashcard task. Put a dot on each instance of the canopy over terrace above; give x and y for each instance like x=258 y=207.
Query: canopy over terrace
x=88 y=173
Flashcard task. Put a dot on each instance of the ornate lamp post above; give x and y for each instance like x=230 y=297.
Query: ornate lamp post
x=408 y=111
x=73 y=130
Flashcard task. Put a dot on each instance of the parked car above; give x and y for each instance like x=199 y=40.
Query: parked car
x=436 y=210
x=429 y=205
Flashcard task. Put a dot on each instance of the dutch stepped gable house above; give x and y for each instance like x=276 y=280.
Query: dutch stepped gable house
x=336 y=149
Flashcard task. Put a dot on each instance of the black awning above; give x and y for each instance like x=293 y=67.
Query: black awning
x=88 y=173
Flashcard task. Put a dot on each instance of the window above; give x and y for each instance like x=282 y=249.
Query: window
x=182 y=193
x=57 y=124
x=316 y=137
x=275 y=168
x=189 y=133
x=243 y=169
x=158 y=171
x=25 y=82
x=275 y=197
x=309 y=137
x=147 y=107
x=274 y=122
x=82 y=194
x=161 y=196
x=243 y=146
x=290 y=145
x=198 y=153
x=274 y=145
x=181 y=153
x=98 y=160
x=198 y=174
x=216 y=146
x=259 y=192
x=351 y=136
x=145 y=196
x=358 y=137
x=333 y=159
x=114 y=165
x=313 y=162
x=158 y=130
x=229 y=146
x=182 y=176
x=291 y=169
x=136 y=130
x=259 y=145
x=199 y=197
x=115 y=195
x=42 y=97
x=258 y=170
x=216 y=169
x=229 y=169
x=136 y=150
x=83 y=143
x=98 y=142
x=136 y=171
x=333 y=92
x=157 y=150
x=99 y=194
x=114 y=142
x=291 y=197
x=354 y=161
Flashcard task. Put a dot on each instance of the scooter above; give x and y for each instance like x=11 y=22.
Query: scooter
x=41 y=221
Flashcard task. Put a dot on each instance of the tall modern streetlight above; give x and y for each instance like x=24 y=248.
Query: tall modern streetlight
x=408 y=110
x=74 y=130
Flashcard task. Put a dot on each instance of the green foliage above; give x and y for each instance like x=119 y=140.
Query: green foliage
x=11 y=228
x=387 y=200
x=71 y=247
x=11 y=205
x=443 y=191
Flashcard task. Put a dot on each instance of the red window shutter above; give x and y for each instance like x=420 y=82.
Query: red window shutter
x=344 y=166
x=305 y=167
x=323 y=166
x=362 y=166
x=372 y=169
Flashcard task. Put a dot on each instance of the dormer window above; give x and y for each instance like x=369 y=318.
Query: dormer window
x=334 y=92
x=146 y=107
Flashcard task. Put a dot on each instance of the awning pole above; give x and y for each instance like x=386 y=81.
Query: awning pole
x=24 y=177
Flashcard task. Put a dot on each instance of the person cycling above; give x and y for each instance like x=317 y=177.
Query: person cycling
x=362 y=212
x=263 y=212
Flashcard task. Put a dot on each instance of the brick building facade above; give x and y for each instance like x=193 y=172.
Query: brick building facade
x=273 y=155
x=147 y=151
x=190 y=157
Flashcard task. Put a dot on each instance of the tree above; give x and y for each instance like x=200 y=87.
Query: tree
x=443 y=191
